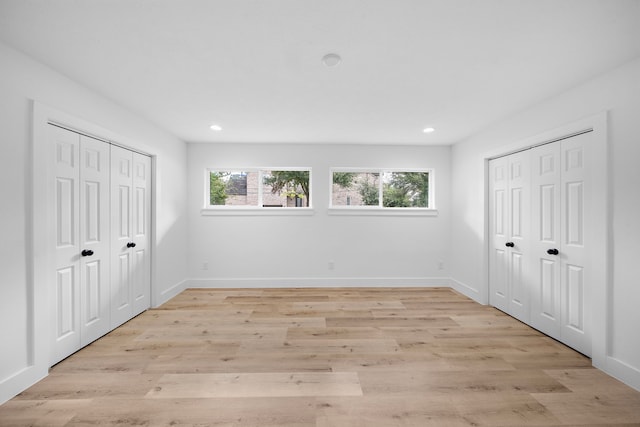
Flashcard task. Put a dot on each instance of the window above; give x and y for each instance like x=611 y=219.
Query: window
x=258 y=188
x=381 y=189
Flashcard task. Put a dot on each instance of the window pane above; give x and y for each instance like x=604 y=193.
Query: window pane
x=355 y=189
x=233 y=188
x=285 y=188
x=405 y=189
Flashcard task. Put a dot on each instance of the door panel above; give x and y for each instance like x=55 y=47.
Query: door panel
x=509 y=198
x=499 y=279
x=519 y=218
x=140 y=279
x=65 y=209
x=66 y=285
x=575 y=218
x=575 y=290
x=548 y=290
x=94 y=233
x=124 y=210
x=131 y=206
x=517 y=213
x=92 y=302
x=141 y=237
x=93 y=217
x=122 y=290
x=121 y=235
x=65 y=295
x=545 y=187
x=518 y=281
x=499 y=262
x=547 y=213
x=575 y=211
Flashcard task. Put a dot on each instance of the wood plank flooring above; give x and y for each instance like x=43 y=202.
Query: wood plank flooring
x=324 y=357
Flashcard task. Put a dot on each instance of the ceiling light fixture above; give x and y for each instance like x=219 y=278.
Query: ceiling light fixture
x=216 y=128
x=428 y=130
x=331 y=59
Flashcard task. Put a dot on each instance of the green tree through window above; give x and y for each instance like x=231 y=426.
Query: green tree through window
x=400 y=189
x=217 y=188
x=292 y=183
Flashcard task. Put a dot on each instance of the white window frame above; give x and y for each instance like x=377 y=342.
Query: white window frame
x=218 y=210
x=380 y=210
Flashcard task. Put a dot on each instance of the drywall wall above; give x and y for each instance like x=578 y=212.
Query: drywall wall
x=296 y=250
x=23 y=81
x=618 y=94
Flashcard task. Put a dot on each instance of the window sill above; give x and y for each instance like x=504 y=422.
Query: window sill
x=255 y=211
x=367 y=211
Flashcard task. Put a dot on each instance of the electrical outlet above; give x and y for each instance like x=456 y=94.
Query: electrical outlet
x=331 y=265
x=205 y=265
x=440 y=265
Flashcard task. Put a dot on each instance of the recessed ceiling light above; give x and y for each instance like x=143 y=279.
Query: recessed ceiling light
x=331 y=59
x=216 y=128
x=428 y=130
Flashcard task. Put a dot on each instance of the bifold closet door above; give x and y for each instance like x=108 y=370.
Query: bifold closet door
x=560 y=297
x=130 y=213
x=81 y=291
x=509 y=229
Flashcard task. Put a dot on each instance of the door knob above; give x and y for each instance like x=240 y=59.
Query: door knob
x=131 y=245
x=553 y=252
x=509 y=244
x=87 y=252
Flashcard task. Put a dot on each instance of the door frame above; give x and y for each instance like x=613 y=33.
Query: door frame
x=599 y=232
x=42 y=238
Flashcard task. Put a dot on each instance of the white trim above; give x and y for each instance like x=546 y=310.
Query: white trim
x=156 y=296
x=466 y=290
x=74 y=129
x=255 y=211
x=602 y=274
x=621 y=371
x=20 y=381
x=171 y=292
x=320 y=282
x=545 y=142
x=38 y=263
x=377 y=211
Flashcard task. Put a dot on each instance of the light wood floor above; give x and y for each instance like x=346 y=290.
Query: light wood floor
x=324 y=357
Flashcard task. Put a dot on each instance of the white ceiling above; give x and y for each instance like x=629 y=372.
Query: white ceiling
x=254 y=66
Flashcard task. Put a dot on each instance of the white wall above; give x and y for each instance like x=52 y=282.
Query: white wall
x=22 y=81
x=296 y=250
x=617 y=92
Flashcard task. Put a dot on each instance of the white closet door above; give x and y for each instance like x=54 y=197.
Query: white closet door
x=81 y=295
x=499 y=225
x=94 y=237
x=66 y=292
x=141 y=229
x=546 y=191
x=560 y=220
x=130 y=228
x=121 y=235
x=510 y=275
x=575 y=217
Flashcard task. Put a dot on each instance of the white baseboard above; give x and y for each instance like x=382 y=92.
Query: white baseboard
x=466 y=290
x=20 y=381
x=318 y=282
x=621 y=371
x=174 y=290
